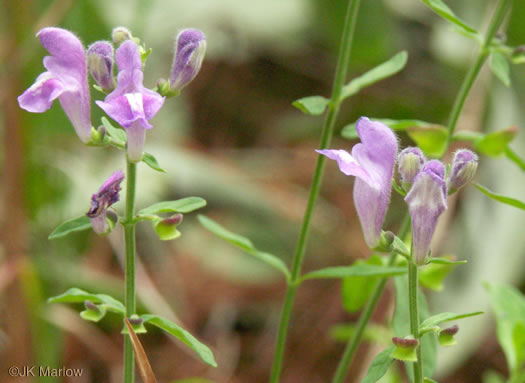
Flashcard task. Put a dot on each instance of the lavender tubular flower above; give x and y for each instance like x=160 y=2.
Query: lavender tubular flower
x=131 y=104
x=426 y=202
x=190 y=47
x=65 y=79
x=100 y=64
x=463 y=169
x=372 y=162
x=107 y=195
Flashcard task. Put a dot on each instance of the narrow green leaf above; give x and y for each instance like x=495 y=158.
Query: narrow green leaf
x=500 y=67
x=312 y=105
x=75 y=295
x=379 y=366
x=401 y=326
x=432 y=139
x=434 y=320
x=360 y=270
x=184 y=336
x=357 y=289
x=444 y=11
x=495 y=143
x=117 y=134
x=445 y=261
x=466 y=135
x=372 y=333
x=509 y=306
x=350 y=132
x=184 y=205
x=245 y=244
x=380 y=72
x=501 y=198
x=76 y=224
x=152 y=162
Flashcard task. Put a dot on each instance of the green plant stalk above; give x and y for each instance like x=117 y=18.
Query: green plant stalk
x=129 y=239
x=414 y=317
x=326 y=137
x=351 y=346
x=472 y=74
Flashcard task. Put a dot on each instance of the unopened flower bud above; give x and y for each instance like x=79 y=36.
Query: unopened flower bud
x=100 y=64
x=405 y=349
x=190 y=47
x=410 y=161
x=463 y=170
x=107 y=195
x=167 y=228
x=446 y=336
x=136 y=321
x=426 y=202
x=385 y=241
x=120 y=34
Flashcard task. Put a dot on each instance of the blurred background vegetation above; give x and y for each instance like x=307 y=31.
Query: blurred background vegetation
x=234 y=139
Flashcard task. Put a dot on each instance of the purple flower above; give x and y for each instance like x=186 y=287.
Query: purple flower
x=410 y=161
x=131 y=104
x=65 y=79
x=107 y=195
x=427 y=199
x=190 y=47
x=100 y=64
x=372 y=162
x=463 y=169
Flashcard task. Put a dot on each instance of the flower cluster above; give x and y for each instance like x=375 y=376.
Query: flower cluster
x=372 y=163
x=130 y=103
x=127 y=100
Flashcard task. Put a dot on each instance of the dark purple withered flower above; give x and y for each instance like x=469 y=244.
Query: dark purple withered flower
x=65 y=79
x=131 y=104
x=463 y=169
x=427 y=200
x=100 y=64
x=190 y=47
x=372 y=162
x=107 y=195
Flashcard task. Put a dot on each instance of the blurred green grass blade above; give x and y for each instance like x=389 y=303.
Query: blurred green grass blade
x=380 y=72
x=360 y=270
x=501 y=198
x=495 y=143
x=444 y=11
x=183 y=335
x=511 y=155
x=445 y=261
x=76 y=224
x=184 y=205
x=244 y=244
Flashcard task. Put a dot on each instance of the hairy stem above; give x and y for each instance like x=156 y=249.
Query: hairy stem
x=473 y=72
x=326 y=137
x=129 y=239
x=414 y=317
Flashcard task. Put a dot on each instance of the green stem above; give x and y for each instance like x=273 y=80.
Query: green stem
x=475 y=69
x=326 y=137
x=351 y=346
x=414 y=317
x=129 y=239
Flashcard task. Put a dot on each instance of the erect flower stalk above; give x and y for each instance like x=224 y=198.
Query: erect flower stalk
x=326 y=137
